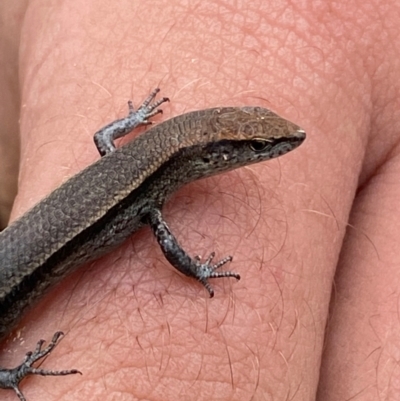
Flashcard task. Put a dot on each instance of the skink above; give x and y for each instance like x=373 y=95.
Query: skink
x=97 y=209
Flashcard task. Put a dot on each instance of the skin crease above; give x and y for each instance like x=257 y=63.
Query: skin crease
x=137 y=329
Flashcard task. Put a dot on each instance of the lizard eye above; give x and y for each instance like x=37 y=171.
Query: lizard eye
x=258 y=145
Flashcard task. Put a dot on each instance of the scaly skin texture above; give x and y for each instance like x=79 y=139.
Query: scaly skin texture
x=97 y=209
x=333 y=66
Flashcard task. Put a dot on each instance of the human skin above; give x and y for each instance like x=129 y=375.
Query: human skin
x=11 y=15
x=322 y=217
